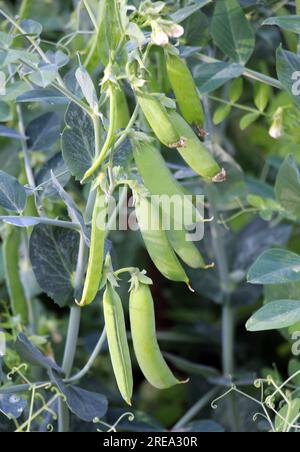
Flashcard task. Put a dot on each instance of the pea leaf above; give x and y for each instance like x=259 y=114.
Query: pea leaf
x=49 y=96
x=275 y=266
x=236 y=89
x=288 y=64
x=53 y=254
x=5 y=114
x=262 y=96
x=248 y=119
x=12 y=193
x=184 y=13
x=58 y=58
x=30 y=353
x=43 y=132
x=45 y=76
x=275 y=316
x=210 y=76
x=56 y=165
x=287 y=187
x=11 y=133
x=87 y=87
x=32 y=27
x=84 y=404
x=12 y=406
x=73 y=210
x=221 y=113
x=232 y=32
x=287 y=415
x=290 y=23
x=78 y=141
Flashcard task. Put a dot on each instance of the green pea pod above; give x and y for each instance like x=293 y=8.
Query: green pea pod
x=19 y=302
x=159 y=120
x=185 y=249
x=194 y=152
x=143 y=331
x=117 y=342
x=96 y=257
x=122 y=114
x=156 y=241
x=185 y=91
x=113 y=96
x=161 y=182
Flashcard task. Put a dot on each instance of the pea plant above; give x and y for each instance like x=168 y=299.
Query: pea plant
x=150 y=149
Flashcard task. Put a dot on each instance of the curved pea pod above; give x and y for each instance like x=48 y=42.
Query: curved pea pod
x=122 y=110
x=185 y=249
x=159 y=120
x=96 y=257
x=143 y=331
x=161 y=182
x=156 y=241
x=194 y=152
x=113 y=90
x=18 y=300
x=185 y=91
x=117 y=342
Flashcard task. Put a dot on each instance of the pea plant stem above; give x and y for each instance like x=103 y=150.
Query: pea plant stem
x=202 y=403
x=91 y=360
x=72 y=335
x=218 y=245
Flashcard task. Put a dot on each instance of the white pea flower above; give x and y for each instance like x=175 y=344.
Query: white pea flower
x=276 y=131
x=159 y=36
x=175 y=31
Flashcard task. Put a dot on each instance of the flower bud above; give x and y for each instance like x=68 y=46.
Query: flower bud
x=159 y=37
x=276 y=130
x=175 y=31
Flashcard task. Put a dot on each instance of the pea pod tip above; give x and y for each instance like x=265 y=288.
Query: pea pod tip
x=220 y=177
x=190 y=287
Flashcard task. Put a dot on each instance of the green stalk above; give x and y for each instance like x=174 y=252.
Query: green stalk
x=298 y=7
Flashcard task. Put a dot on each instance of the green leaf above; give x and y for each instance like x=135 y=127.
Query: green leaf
x=4 y=112
x=288 y=71
x=287 y=187
x=287 y=415
x=12 y=193
x=78 y=141
x=87 y=87
x=45 y=76
x=248 y=120
x=275 y=316
x=43 y=132
x=184 y=13
x=290 y=23
x=32 y=27
x=53 y=254
x=210 y=76
x=222 y=112
x=57 y=166
x=275 y=266
x=294 y=368
x=232 y=32
x=236 y=89
x=262 y=96
x=49 y=96
x=7 y=132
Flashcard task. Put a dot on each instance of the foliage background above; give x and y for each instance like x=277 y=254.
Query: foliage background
x=190 y=326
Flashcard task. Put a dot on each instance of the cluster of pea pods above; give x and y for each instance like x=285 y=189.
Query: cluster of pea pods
x=181 y=131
